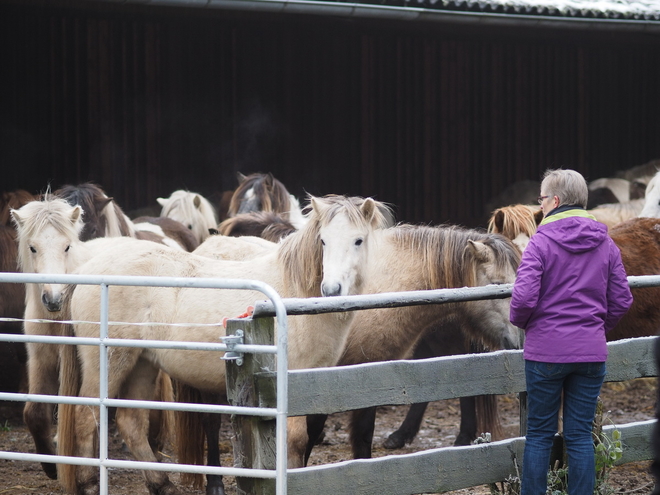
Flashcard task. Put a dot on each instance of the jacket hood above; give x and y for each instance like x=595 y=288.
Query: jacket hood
x=574 y=230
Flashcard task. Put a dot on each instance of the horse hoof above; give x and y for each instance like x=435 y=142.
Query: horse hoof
x=463 y=440
x=394 y=441
x=50 y=470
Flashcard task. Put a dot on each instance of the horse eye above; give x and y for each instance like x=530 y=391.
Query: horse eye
x=359 y=242
x=67 y=248
x=190 y=227
x=322 y=242
x=32 y=249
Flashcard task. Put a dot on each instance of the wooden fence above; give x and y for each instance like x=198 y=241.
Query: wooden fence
x=330 y=390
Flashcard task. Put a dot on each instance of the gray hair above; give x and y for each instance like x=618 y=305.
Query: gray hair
x=568 y=185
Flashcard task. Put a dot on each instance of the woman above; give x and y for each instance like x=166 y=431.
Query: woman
x=570 y=290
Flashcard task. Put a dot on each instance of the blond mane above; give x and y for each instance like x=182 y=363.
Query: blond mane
x=198 y=212
x=511 y=221
x=301 y=253
x=445 y=256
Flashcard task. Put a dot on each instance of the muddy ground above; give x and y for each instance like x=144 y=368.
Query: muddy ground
x=624 y=403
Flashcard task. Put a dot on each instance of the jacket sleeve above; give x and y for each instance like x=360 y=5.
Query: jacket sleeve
x=619 y=297
x=526 y=288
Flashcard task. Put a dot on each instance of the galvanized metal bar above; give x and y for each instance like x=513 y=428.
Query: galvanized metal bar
x=103 y=391
x=156 y=344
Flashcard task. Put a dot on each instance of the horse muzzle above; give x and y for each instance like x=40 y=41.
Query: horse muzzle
x=52 y=300
x=330 y=290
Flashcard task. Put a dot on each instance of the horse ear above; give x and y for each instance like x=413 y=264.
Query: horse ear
x=240 y=177
x=269 y=179
x=102 y=204
x=369 y=209
x=161 y=201
x=16 y=216
x=76 y=214
x=318 y=206
x=498 y=220
x=538 y=217
x=197 y=202
x=480 y=251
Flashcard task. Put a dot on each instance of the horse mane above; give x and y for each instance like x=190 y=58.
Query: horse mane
x=271 y=194
x=192 y=206
x=444 y=252
x=117 y=223
x=13 y=200
x=301 y=254
x=36 y=215
x=513 y=220
x=264 y=224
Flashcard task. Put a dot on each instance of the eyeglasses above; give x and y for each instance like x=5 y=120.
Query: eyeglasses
x=541 y=198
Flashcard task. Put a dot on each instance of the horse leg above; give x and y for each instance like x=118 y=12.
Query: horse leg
x=468 y=429
x=362 y=432
x=42 y=365
x=212 y=423
x=133 y=424
x=409 y=428
x=297 y=439
x=315 y=425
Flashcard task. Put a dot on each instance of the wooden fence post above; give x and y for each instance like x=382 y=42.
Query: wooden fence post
x=254 y=442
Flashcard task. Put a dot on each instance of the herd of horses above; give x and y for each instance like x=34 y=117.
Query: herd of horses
x=335 y=245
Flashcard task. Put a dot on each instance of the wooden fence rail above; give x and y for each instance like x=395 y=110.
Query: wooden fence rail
x=330 y=390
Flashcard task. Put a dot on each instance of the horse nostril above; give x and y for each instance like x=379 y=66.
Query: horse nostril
x=330 y=290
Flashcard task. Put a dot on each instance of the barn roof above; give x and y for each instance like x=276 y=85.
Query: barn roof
x=595 y=9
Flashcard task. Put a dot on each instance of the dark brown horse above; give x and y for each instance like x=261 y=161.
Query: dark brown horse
x=267 y=225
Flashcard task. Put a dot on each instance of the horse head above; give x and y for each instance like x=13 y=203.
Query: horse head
x=47 y=240
x=93 y=202
x=259 y=192
x=328 y=255
x=496 y=260
x=192 y=210
x=516 y=222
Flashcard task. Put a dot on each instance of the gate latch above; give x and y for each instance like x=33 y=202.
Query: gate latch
x=231 y=341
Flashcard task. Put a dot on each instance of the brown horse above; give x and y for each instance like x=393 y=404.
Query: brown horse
x=12 y=296
x=263 y=192
x=102 y=217
x=265 y=224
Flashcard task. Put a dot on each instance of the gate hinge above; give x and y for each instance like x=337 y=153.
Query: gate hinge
x=231 y=341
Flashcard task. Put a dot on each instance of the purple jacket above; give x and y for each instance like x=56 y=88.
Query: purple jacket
x=570 y=289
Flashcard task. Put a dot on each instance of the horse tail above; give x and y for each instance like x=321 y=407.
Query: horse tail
x=488 y=417
x=161 y=421
x=189 y=434
x=69 y=386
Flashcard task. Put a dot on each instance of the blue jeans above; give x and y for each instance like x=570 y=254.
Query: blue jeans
x=581 y=384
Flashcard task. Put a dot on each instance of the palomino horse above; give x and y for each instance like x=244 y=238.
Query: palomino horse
x=48 y=243
x=515 y=222
x=192 y=210
x=104 y=218
x=326 y=257
x=263 y=192
x=420 y=258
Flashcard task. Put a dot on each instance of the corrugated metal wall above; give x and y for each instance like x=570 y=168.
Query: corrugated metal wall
x=147 y=101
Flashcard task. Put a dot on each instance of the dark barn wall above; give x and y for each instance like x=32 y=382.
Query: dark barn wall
x=430 y=119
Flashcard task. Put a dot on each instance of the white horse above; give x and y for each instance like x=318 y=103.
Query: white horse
x=192 y=210
x=326 y=257
x=48 y=243
x=652 y=200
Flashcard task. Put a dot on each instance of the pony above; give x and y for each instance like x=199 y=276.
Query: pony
x=652 y=199
x=12 y=296
x=265 y=224
x=620 y=188
x=612 y=214
x=48 y=242
x=105 y=218
x=231 y=248
x=263 y=192
x=326 y=257
x=515 y=222
x=420 y=258
x=638 y=239
x=192 y=210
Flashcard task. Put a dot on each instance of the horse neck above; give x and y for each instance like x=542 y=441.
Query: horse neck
x=117 y=223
